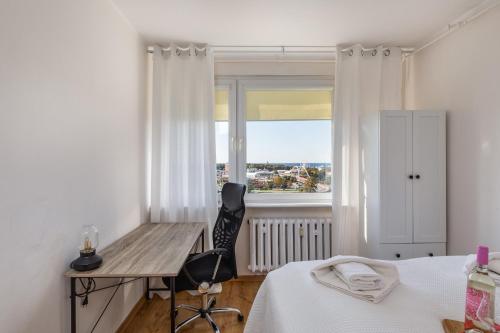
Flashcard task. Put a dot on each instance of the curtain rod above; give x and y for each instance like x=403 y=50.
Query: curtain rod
x=459 y=23
x=284 y=49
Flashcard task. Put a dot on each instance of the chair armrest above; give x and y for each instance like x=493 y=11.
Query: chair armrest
x=220 y=252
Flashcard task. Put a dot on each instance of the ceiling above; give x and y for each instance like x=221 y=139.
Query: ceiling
x=403 y=23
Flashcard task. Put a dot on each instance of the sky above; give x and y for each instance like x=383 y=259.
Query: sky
x=281 y=141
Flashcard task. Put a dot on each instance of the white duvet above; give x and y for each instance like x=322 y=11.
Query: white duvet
x=431 y=289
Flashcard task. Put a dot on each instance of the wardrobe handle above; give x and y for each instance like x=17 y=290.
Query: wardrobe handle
x=417 y=176
x=410 y=176
x=240 y=144
x=398 y=255
x=233 y=144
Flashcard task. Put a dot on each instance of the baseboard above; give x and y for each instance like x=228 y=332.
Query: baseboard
x=132 y=314
x=257 y=277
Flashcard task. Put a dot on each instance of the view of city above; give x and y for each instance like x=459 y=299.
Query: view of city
x=282 y=177
x=287 y=143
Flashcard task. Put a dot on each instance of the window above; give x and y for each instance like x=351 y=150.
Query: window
x=277 y=139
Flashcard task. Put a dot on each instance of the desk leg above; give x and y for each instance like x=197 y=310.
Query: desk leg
x=73 y=304
x=172 y=304
x=147 y=289
x=203 y=241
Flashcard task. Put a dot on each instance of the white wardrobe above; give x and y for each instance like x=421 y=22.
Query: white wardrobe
x=404 y=193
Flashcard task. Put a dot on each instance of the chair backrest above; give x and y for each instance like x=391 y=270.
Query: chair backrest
x=229 y=220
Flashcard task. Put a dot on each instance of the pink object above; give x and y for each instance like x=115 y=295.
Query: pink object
x=482 y=255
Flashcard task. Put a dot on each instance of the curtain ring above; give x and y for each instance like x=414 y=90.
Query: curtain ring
x=387 y=52
x=351 y=52
x=374 y=52
x=202 y=51
x=180 y=52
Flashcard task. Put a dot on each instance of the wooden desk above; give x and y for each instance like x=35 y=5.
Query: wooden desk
x=151 y=250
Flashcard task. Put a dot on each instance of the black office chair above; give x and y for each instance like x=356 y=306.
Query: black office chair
x=205 y=271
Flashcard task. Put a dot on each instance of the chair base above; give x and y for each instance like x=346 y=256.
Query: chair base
x=205 y=312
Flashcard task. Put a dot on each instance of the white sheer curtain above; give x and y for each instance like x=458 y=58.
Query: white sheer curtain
x=183 y=175
x=365 y=83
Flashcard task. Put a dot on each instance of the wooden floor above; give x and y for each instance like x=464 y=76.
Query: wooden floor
x=154 y=316
x=453 y=326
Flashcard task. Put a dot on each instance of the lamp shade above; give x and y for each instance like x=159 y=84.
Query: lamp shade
x=89 y=238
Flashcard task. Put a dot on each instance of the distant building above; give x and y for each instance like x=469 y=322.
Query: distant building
x=261 y=174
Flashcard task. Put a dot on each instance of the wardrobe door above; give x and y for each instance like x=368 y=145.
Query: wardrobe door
x=395 y=173
x=429 y=169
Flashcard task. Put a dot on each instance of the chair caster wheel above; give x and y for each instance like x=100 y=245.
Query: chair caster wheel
x=240 y=317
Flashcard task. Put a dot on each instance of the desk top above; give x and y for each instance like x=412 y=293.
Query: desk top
x=152 y=249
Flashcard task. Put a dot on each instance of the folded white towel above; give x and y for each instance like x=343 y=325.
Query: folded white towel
x=359 y=276
x=325 y=273
x=493 y=265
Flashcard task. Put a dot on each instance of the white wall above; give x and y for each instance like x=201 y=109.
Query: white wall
x=72 y=131
x=235 y=68
x=461 y=74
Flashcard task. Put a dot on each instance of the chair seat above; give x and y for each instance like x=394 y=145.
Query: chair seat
x=216 y=288
x=202 y=270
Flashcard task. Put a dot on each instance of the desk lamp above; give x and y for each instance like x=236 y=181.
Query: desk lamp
x=89 y=240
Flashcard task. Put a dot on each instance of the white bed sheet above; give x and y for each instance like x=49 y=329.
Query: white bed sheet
x=431 y=289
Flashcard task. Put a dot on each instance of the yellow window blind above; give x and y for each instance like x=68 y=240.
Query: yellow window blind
x=221 y=105
x=288 y=105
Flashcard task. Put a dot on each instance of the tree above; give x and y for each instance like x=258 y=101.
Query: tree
x=278 y=181
x=322 y=175
x=310 y=184
x=251 y=187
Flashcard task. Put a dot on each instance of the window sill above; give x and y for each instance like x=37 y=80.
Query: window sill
x=288 y=204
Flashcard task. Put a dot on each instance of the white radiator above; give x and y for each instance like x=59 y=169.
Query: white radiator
x=277 y=241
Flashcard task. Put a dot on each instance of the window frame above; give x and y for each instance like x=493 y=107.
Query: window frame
x=230 y=85
x=237 y=133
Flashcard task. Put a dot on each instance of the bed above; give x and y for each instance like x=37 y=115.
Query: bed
x=431 y=289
